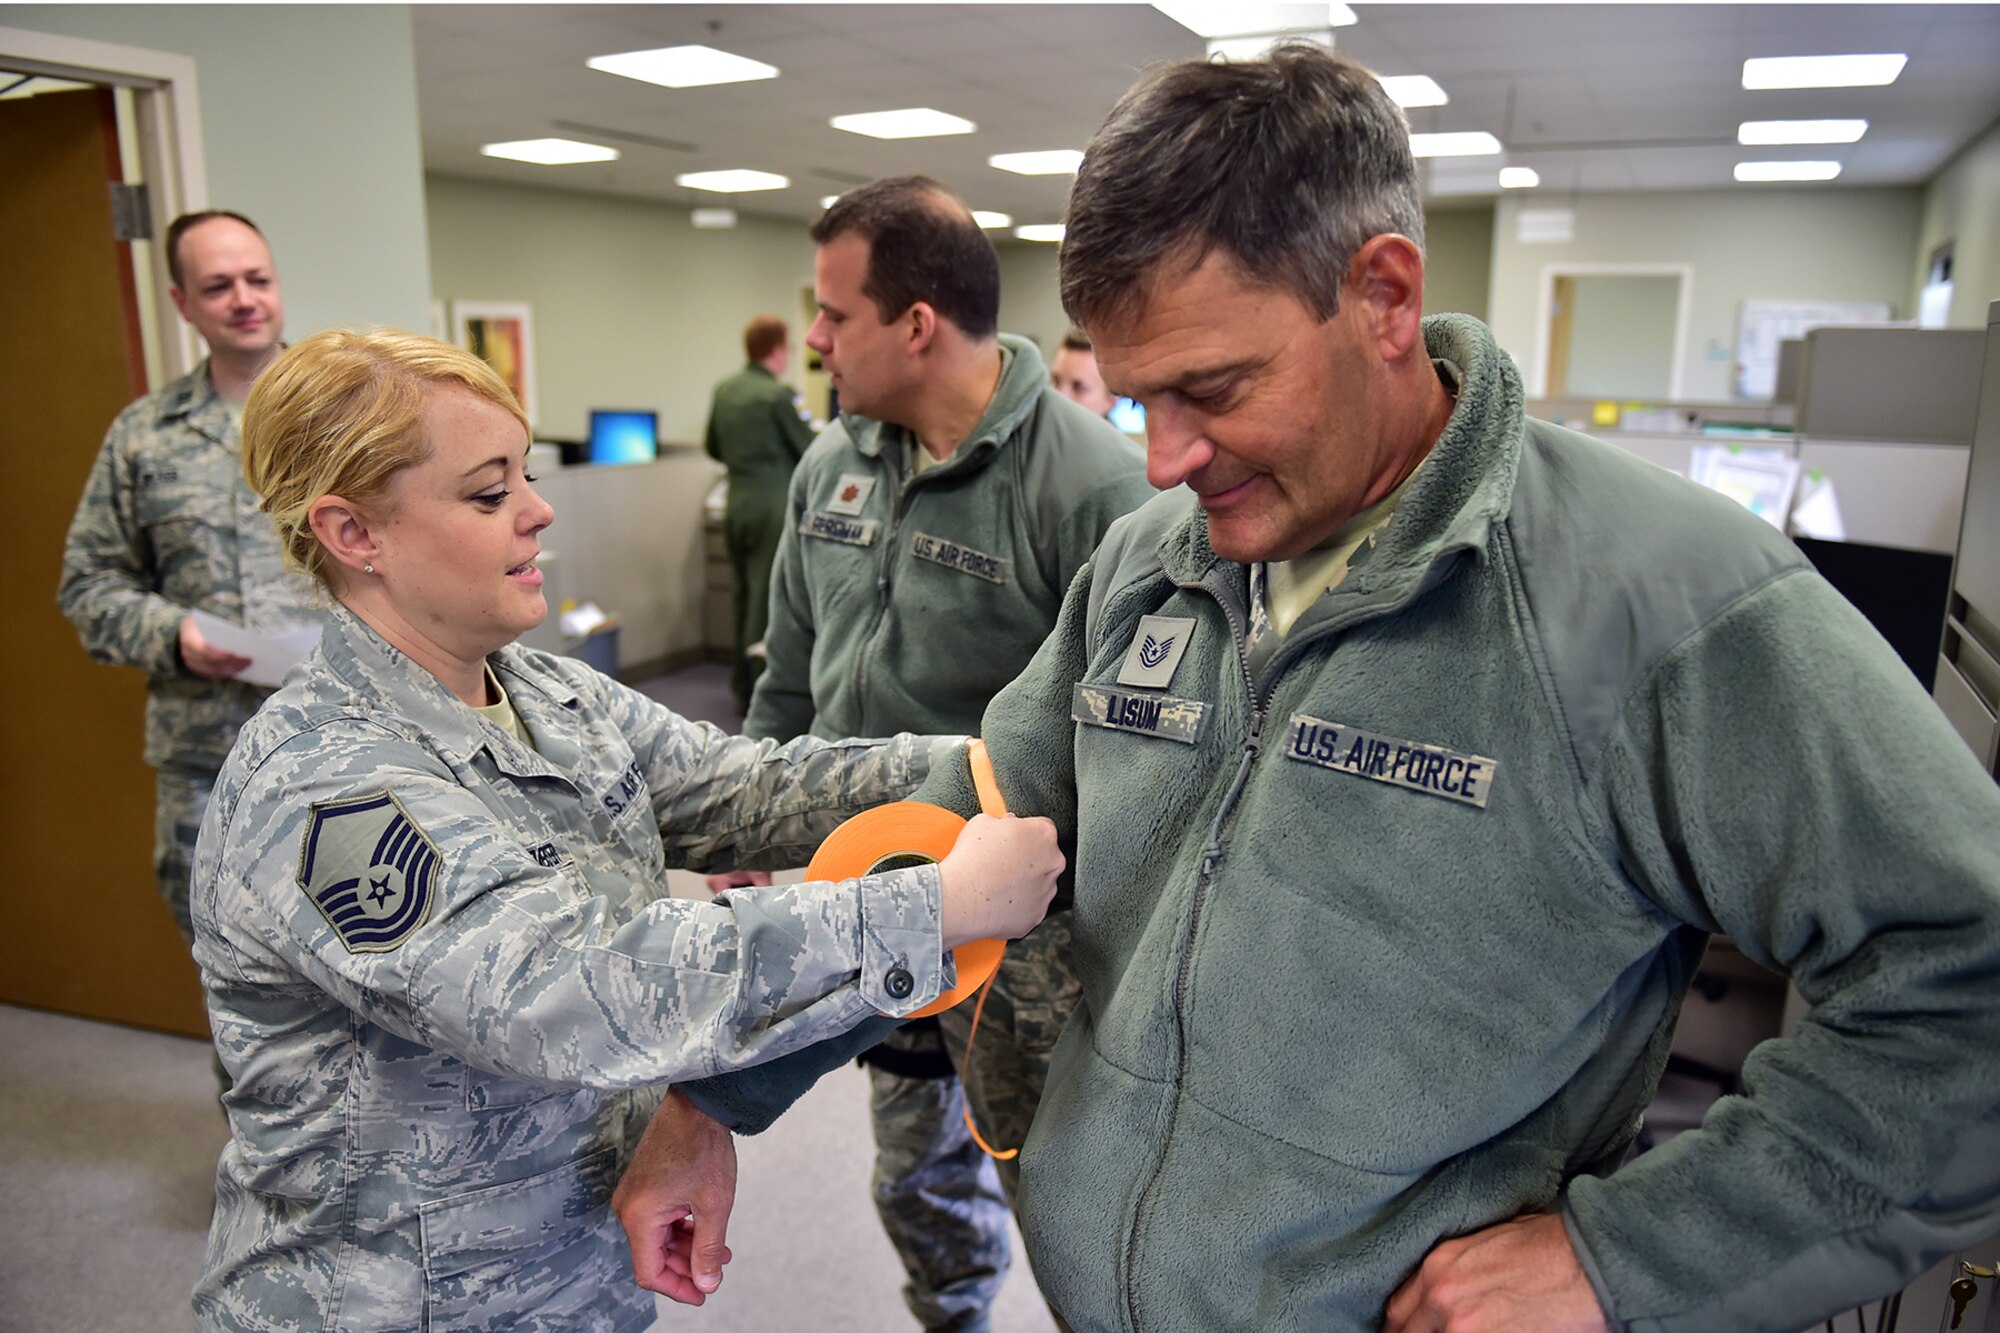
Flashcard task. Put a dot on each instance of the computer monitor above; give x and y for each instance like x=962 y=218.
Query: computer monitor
x=624 y=436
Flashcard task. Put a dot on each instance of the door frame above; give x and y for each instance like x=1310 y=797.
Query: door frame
x=167 y=107
x=1545 y=308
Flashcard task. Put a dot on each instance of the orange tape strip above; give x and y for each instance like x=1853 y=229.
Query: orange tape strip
x=912 y=828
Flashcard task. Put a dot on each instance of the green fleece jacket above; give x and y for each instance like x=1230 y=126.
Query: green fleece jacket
x=883 y=578
x=1389 y=944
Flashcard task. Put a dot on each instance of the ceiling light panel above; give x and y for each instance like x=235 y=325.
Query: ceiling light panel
x=828 y=200
x=1870 y=71
x=1412 y=90
x=736 y=180
x=1041 y=231
x=1787 y=171
x=683 y=66
x=1242 y=18
x=550 y=152
x=917 y=122
x=1519 y=178
x=1052 y=162
x=988 y=220
x=1463 y=143
x=1765 y=132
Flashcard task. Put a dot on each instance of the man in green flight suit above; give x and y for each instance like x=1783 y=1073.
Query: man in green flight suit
x=756 y=431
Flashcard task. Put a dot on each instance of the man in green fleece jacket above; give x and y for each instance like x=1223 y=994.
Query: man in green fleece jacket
x=1410 y=759
x=932 y=532
x=756 y=430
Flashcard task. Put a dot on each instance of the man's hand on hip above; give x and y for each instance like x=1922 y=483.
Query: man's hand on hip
x=1519 y=1275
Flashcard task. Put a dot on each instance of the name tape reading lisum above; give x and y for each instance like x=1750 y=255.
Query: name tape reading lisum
x=1431 y=769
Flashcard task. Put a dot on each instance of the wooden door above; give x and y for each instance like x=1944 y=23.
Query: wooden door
x=85 y=931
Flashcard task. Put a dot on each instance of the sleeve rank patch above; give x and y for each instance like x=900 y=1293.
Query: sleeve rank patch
x=1159 y=715
x=369 y=870
x=1430 y=769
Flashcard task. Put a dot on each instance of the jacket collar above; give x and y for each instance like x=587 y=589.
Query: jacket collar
x=1465 y=487
x=1022 y=377
x=548 y=705
x=192 y=400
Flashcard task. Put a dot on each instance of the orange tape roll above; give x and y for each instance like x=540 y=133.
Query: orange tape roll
x=890 y=837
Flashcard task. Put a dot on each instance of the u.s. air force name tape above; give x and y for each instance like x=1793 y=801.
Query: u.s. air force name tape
x=891 y=837
x=834 y=528
x=1148 y=714
x=946 y=552
x=1431 y=769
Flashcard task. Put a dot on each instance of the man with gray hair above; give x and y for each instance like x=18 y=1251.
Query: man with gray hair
x=1412 y=753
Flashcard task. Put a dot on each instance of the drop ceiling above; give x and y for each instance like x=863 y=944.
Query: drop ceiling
x=1595 y=98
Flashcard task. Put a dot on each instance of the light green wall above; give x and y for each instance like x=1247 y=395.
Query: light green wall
x=1807 y=245
x=1962 y=205
x=1458 y=260
x=1030 y=299
x=309 y=125
x=1621 y=336
x=632 y=306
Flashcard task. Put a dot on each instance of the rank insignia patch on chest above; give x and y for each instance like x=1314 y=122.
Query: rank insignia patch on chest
x=850 y=493
x=1156 y=650
x=369 y=870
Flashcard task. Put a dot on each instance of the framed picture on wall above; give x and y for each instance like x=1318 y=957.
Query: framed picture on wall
x=500 y=333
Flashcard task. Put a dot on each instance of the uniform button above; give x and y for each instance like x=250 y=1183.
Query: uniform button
x=899 y=983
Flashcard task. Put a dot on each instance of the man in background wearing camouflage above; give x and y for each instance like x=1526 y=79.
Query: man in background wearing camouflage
x=931 y=534
x=167 y=526
x=756 y=431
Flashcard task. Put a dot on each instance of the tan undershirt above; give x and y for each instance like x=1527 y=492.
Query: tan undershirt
x=1292 y=586
x=502 y=714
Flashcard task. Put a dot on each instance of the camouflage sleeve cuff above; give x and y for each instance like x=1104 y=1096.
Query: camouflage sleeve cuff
x=903 y=967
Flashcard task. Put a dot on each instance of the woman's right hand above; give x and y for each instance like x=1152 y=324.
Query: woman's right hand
x=998 y=878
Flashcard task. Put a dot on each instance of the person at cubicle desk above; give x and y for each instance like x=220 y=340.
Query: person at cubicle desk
x=429 y=895
x=930 y=535
x=1412 y=753
x=758 y=430
x=166 y=528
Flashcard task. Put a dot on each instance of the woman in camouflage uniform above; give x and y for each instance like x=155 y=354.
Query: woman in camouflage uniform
x=429 y=895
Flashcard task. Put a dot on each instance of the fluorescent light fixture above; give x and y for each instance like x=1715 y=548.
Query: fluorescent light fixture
x=1052 y=162
x=550 y=152
x=1766 y=132
x=1245 y=18
x=1822 y=71
x=1787 y=171
x=1408 y=90
x=991 y=221
x=1463 y=143
x=683 y=66
x=713 y=219
x=917 y=122
x=1041 y=231
x=737 y=180
x=1519 y=178
x=1242 y=50
x=828 y=200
